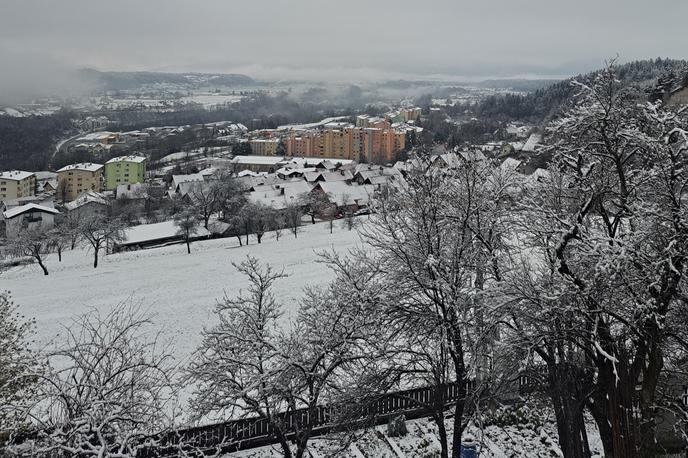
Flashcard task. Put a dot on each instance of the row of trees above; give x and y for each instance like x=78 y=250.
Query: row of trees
x=97 y=231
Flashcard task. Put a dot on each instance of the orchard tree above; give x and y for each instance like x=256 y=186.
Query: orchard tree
x=109 y=389
x=436 y=248
x=293 y=217
x=17 y=368
x=314 y=204
x=238 y=366
x=187 y=226
x=616 y=239
x=100 y=231
x=33 y=243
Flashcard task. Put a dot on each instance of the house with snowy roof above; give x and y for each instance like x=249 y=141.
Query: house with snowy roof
x=345 y=196
x=31 y=217
x=180 y=179
x=280 y=196
x=88 y=203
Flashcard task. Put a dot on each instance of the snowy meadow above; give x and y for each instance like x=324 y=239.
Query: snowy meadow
x=179 y=290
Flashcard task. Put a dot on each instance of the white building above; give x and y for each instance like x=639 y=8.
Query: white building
x=31 y=217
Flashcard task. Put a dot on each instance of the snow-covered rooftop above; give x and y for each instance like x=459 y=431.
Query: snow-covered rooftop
x=135 y=159
x=86 y=166
x=16 y=211
x=258 y=160
x=85 y=198
x=15 y=175
x=153 y=232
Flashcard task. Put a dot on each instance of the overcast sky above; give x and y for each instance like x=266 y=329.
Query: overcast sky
x=346 y=39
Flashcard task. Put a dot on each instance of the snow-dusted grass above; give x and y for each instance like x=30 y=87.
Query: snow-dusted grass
x=422 y=442
x=181 y=290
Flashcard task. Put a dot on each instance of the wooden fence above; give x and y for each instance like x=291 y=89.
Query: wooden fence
x=248 y=433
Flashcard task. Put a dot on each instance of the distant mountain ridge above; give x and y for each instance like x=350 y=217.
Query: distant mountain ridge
x=118 y=81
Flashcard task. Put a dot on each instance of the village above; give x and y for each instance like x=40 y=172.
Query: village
x=264 y=179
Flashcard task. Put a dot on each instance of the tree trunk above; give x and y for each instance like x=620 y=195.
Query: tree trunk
x=239 y=238
x=442 y=432
x=59 y=255
x=313 y=218
x=459 y=407
x=40 y=263
x=598 y=411
x=614 y=400
x=281 y=438
x=565 y=391
x=95 y=258
x=259 y=237
x=188 y=246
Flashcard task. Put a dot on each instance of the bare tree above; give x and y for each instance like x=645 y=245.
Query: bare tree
x=278 y=224
x=59 y=237
x=187 y=226
x=231 y=211
x=293 y=217
x=313 y=203
x=71 y=226
x=206 y=198
x=109 y=389
x=262 y=218
x=424 y=274
x=33 y=243
x=611 y=227
x=16 y=368
x=238 y=365
x=348 y=212
x=326 y=354
x=99 y=231
x=246 y=366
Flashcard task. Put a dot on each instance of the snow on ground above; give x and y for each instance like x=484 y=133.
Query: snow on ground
x=422 y=442
x=181 y=290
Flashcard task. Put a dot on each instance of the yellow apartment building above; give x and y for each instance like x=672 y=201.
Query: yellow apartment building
x=264 y=147
x=73 y=179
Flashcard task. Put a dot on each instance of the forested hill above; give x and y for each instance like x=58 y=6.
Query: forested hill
x=654 y=75
x=115 y=81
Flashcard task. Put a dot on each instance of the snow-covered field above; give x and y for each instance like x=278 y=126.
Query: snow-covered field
x=179 y=289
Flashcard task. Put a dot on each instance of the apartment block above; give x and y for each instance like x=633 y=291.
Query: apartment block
x=373 y=144
x=264 y=147
x=73 y=179
x=16 y=183
x=124 y=170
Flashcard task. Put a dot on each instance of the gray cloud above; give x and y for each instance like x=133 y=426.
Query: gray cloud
x=352 y=40
x=29 y=75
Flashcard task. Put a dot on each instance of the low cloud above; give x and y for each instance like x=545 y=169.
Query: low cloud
x=28 y=76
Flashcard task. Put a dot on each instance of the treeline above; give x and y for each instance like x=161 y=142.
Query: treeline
x=262 y=111
x=27 y=143
x=542 y=104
